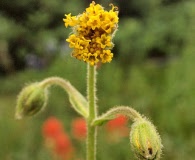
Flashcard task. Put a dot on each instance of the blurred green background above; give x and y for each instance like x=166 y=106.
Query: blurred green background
x=152 y=70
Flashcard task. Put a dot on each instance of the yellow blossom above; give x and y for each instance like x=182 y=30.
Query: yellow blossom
x=106 y=56
x=77 y=54
x=108 y=27
x=92 y=58
x=94 y=22
x=104 y=41
x=72 y=41
x=70 y=21
x=94 y=9
x=92 y=34
x=83 y=43
x=113 y=17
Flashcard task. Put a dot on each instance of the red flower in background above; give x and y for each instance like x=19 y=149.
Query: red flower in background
x=79 y=128
x=52 y=127
x=116 y=123
x=63 y=146
x=56 y=139
x=118 y=128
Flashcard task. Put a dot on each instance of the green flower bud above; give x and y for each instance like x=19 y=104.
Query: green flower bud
x=145 y=141
x=31 y=100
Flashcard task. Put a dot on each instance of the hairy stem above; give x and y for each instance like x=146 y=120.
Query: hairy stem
x=91 y=130
x=129 y=112
x=57 y=81
x=78 y=101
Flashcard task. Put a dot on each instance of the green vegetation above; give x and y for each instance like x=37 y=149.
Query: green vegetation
x=153 y=71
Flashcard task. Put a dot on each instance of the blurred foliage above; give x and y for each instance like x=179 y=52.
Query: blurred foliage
x=153 y=31
x=33 y=31
x=153 y=70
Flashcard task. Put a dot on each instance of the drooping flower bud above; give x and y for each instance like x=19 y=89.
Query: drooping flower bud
x=31 y=100
x=145 y=140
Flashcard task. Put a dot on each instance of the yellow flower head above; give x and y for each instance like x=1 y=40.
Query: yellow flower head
x=92 y=35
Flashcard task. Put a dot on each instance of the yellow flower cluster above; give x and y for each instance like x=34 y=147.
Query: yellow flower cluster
x=93 y=31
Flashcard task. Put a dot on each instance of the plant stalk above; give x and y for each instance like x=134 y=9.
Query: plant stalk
x=91 y=130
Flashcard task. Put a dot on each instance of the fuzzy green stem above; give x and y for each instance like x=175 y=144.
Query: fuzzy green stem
x=112 y=113
x=78 y=101
x=57 y=81
x=91 y=130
